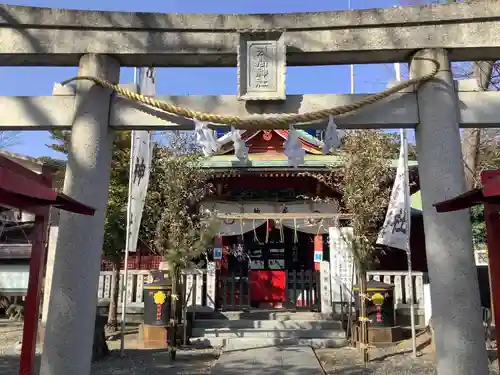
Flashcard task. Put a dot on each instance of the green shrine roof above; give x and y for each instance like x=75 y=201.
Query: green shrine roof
x=278 y=160
x=314 y=159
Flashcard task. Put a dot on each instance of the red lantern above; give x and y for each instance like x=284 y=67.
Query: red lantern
x=379 y=314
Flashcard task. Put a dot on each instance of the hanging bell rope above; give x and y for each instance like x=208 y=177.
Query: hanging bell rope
x=261 y=122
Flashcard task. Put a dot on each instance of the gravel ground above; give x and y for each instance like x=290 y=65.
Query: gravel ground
x=346 y=361
x=135 y=362
x=396 y=360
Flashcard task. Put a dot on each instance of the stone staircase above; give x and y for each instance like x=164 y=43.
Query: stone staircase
x=250 y=329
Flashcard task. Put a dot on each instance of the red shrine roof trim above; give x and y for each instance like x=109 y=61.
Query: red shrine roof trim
x=28 y=190
x=226 y=141
x=489 y=192
x=309 y=143
x=28 y=162
x=307 y=146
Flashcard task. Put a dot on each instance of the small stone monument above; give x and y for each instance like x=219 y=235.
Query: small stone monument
x=261 y=66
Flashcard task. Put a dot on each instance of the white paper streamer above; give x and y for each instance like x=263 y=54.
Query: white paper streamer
x=205 y=137
x=332 y=139
x=293 y=148
x=240 y=147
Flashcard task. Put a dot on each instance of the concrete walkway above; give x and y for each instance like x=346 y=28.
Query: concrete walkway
x=273 y=360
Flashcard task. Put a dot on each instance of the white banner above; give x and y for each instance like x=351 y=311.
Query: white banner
x=396 y=229
x=140 y=161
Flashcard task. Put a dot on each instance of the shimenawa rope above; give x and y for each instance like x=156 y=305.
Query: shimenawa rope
x=261 y=122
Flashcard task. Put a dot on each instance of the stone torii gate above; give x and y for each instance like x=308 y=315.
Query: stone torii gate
x=101 y=42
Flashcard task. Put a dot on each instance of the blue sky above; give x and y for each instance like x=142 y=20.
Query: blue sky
x=183 y=81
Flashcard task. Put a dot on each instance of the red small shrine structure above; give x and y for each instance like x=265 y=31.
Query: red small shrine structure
x=489 y=195
x=265 y=228
x=23 y=189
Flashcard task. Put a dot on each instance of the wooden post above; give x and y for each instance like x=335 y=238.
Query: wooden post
x=35 y=283
x=492 y=219
x=492 y=309
x=37 y=262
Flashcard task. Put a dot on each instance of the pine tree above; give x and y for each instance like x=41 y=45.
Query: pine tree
x=182 y=232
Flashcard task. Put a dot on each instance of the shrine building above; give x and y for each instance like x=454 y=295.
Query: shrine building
x=273 y=234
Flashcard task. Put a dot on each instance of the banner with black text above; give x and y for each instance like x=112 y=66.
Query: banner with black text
x=140 y=161
x=396 y=229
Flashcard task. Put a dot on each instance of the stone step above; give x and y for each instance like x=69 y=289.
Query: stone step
x=242 y=343
x=268 y=324
x=267 y=333
x=259 y=314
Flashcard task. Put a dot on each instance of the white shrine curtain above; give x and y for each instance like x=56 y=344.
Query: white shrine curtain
x=311 y=226
x=232 y=227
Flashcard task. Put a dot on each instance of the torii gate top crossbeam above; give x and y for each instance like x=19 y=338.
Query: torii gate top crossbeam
x=34 y=36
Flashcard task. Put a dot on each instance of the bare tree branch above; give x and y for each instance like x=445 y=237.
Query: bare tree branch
x=8 y=139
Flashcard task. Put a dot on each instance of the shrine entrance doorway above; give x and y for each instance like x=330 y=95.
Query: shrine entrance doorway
x=269 y=267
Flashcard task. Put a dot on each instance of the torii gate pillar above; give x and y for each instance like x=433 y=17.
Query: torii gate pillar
x=67 y=347
x=460 y=347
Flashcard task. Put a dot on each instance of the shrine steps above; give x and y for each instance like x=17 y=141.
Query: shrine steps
x=264 y=314
x=228 y=344
x=205 y=325
x=266 y=328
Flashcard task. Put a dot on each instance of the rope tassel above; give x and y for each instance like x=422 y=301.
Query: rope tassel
x=240 y=147
x=205 y=137
x=332 y=139
x=293 y=149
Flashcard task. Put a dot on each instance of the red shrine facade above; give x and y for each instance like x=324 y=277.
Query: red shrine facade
x=268 y=251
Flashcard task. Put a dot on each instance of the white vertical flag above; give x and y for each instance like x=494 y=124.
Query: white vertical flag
x=141 y=152
x=396 y=229
x=140 y=161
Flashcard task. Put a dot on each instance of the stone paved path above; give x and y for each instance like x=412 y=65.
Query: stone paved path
x=269 y=361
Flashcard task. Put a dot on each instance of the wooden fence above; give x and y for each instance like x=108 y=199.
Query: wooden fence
x=233 y=292
x=301 y=290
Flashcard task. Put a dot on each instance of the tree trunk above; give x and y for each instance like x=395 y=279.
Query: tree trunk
x=115 y=287
x=470 y=151
x=363 y=322
x=472 y=137
x=175 y=304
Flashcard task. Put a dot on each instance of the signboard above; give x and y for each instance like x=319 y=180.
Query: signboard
x=318 y=256
x=261 y=66
x=217 y=253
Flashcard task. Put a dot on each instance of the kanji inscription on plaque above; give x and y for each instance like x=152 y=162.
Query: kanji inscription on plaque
x=261 y=69
x=261 y=66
